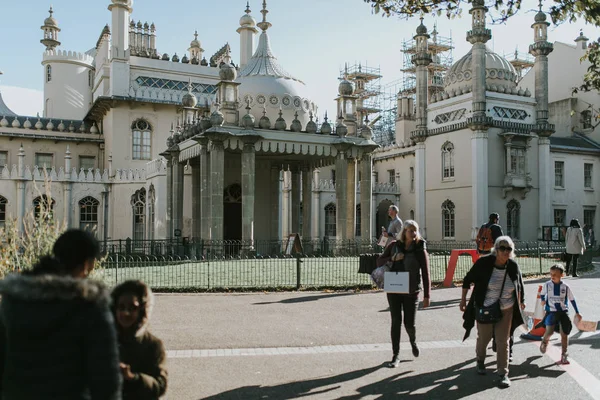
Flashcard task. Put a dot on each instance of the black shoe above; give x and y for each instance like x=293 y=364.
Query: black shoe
x=395 y=363
x=494 y=345
x=504 y=381
x=415 y=349
x=575 y=276
x=481 y=368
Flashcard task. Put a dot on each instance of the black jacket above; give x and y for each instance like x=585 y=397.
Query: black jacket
x=415 y=262
x=57 y=340
x=479 y=275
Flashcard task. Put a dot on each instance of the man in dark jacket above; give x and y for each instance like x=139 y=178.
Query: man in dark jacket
x=488 y=233
x=57 y=339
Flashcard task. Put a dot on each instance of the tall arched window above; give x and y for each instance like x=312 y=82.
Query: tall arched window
x=447 y=160
x=138 y=204
x=412 y=214
x=448 y=228
x=330 y=219
x=88 y=214
x=513 y=216
x=3 y=203
x=43 y=208
x=48 y=73
x=141 y=133
x=357 y=224
x=151 y=212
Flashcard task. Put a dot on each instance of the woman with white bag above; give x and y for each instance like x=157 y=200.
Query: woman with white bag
x=407 y=254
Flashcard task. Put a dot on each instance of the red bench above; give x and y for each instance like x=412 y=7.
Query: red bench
x=452 y=263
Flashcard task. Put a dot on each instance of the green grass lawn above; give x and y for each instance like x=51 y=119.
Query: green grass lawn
x=275 y=273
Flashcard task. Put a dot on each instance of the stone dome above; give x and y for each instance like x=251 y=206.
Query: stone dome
x=189 y=100
x=50 y=21
x=498 y=72
x=345 y=88
x=540 y=16
x=227 y=72
x=247 y=20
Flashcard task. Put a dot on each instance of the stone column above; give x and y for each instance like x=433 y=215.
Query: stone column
x=169 y=216
x=248 y=191
x=177 y=168
x=196 y=198
x=306 y=203
x=351 y=199
x=286 y=201
x=546 y=184
x=316 y=206
x=366 y=195
x=275 y=203
x=479 y=178
x=420 y=200
x=217 y=175
x=296 y=192
x=21 y=184
x=206 y=214
x=68 y=194
x=341 y=180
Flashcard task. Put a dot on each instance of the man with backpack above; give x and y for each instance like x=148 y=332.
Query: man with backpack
x=488 y=233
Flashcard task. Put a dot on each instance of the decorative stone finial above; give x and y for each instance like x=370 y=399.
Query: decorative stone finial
x=326 y=126
x=216 y=118
x=264 y=122
x=296 y=124
x=264 y=25
x=280 y=123
x=311 y=126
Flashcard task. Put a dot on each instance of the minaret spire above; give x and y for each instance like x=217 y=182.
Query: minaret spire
x=264 y=25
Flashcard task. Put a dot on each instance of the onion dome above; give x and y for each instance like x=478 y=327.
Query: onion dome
x=227 y=70
x=247 y=20
x=345 y=88
x=326 y=126
x=185 y=59
x=27 y=124
x=421 y=29
x=280 y=123
x=50 y=21
x=248 y=119
x=264 y=122
x=165 y=57
x=170 y=142
x=49 y=125
x=189 y=99
x=61 y=126
x=216 y=118
x=311 y=126
x=3 y=122
x=175 y=58
x=205 y=122
x=82 y=127
x=195 y=61
x=204 y=63
x=94 y=129
x=38 y=124
x=195 y=43
x=296 y=125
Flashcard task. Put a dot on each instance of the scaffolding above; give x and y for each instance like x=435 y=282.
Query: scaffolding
x=522 y=62
x=367 y=86
x=384 y=127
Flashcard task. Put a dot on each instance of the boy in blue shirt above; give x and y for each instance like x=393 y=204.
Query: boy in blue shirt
x=555 y=296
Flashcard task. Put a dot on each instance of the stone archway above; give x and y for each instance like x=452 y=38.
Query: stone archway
x=232 y=212
x=382 y=215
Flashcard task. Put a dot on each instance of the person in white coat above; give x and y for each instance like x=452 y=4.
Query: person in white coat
x=575 y=244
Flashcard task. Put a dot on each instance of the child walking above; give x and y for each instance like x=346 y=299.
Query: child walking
x=555 y=296
x=142 y=354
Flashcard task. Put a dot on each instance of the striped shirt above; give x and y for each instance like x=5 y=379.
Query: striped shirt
x=493 y=290
x=556 y=295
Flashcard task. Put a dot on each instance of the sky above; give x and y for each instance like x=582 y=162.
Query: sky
x=312 y=39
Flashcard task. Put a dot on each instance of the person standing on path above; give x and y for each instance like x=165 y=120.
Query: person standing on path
x=497 y=282
x=575 y=245
x=57 y=335
x=408 y=254
x=395 y=225
x=488 y=234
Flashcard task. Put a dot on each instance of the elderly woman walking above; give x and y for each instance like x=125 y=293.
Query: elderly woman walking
x=496 y=303
x=408 y=254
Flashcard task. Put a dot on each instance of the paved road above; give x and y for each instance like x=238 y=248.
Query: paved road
x=334 y=346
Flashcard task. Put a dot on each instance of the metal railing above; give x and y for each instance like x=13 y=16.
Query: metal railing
x=235 y=265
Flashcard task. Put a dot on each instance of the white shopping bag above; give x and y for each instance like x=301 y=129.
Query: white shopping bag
x=396 y=282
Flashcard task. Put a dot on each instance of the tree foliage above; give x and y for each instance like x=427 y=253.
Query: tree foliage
x=560 y=11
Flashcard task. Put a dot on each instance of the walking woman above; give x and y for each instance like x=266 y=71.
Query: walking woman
x=575 y=245
x=408 y=254
x=498 y=289
x=57 y=334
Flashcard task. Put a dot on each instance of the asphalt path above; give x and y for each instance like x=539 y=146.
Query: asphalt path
x=322 y=345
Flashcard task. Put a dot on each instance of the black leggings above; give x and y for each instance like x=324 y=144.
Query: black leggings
x=568 y=259
x=398 y=303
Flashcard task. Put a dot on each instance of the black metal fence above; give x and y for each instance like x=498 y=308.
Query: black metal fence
x=229 y=265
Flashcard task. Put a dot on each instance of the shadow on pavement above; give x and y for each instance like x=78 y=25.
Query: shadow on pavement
x=297 y=389
x=452 y=383
x=304 y=299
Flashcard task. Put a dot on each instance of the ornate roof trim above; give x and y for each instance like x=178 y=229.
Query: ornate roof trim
x=264 y=62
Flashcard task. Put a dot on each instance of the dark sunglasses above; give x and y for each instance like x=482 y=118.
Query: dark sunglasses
x=504 y=248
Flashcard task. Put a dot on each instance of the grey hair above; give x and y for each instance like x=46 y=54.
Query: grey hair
x=395 y=208
x=500 y=241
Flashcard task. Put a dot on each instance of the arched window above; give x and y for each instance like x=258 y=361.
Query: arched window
x=513 y=216
x=3 y=203
x=88 y=214
x=43 y=208
x=151 y=212
x=357 y=224
x=141 y=132
x=586 y=119
x=448 y=229
x=138 y=204
x=330 y=220
x=412 y=214
x=447 y=161
x=48 y=73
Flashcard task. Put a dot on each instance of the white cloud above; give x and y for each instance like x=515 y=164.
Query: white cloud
x=23 y=101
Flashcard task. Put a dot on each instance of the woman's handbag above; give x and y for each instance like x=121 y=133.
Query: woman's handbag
x=378 y=275
x=491 y=314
